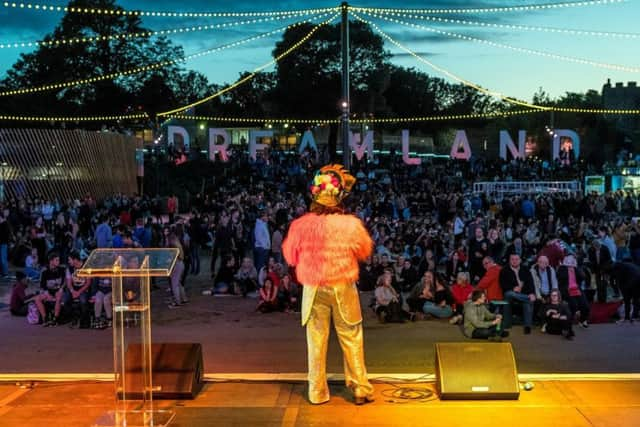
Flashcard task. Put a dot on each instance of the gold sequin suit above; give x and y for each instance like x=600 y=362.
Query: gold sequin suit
x=325 y=249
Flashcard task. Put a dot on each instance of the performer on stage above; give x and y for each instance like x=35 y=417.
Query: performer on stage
x=325 y=246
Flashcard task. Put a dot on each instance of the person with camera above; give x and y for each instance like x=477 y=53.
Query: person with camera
x=556 y=316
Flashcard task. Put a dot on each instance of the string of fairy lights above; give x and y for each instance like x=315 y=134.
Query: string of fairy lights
x=146 y=34
x=608 y=66
x=372 y=120
x=390 y=120
x=253 y=73
x=487 y=91
x=46 y=7
x=391 y=15
x=542 y=29
x=446 y=72
x=74 y=118
x=151 y=67
x=502 y=9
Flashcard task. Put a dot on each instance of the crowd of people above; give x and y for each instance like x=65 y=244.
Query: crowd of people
x=440 y=251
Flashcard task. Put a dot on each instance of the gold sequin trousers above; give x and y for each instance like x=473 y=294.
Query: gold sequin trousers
x=324 y=309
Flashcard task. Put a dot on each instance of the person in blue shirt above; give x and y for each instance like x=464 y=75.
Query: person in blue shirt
x=103 y=233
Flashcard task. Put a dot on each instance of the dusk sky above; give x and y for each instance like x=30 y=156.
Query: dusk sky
x=513 y=73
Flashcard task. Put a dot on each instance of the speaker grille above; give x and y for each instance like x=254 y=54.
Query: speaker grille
x=476 y=371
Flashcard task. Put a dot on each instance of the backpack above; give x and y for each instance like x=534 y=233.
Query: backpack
x=33 y=315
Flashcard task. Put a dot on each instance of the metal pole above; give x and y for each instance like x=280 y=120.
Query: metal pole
x=345 y=103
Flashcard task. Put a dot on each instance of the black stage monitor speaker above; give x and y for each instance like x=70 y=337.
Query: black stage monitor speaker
x=177 y=370
x=473 y=370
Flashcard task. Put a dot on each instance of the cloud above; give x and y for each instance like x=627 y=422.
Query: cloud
x=422 y=53
x=417 y=36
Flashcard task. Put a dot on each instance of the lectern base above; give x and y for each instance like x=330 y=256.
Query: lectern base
x=157 y=418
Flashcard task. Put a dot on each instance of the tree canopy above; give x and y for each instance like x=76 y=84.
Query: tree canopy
x=149 y=91
x=304 y=84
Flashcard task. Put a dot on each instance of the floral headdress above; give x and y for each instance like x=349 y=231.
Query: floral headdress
x=331 y=184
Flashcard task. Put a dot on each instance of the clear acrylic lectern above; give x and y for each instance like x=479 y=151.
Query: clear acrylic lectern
x=130 y=271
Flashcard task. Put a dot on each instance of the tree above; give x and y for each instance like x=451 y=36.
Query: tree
x=308 y=81
x=252 y=99
x=154 y=90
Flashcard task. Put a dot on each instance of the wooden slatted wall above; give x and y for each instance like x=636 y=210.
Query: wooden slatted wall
x=66 y=164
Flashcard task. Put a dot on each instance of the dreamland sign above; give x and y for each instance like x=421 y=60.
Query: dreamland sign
x=219 y=142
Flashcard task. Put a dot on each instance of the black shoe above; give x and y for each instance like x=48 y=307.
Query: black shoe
x=504 y=334
x=361 y=400
x=527 y=330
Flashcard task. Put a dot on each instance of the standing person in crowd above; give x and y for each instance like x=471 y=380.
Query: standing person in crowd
x=185 y=242
x=556 y=316
x=628 y=275
x=553 y=250
x=478 y=249
x=223 y=240
x=517 y=286
x=496 y=246
x=479 y=322
x=328 y=268
x=607 y=241
x=600 y=263
x=5 y=238
x=141 y=234
x=239 y=239
x=276 y=243
x=262 y=240
x=172 y=207
x=198 y=238
x=177 y=289
x=38 y=235
x=620 y=238
x=52 y=285
x=103 y=234
x=570 y=282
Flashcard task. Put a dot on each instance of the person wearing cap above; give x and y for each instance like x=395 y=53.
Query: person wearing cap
x=18 y=304
x=325 y=246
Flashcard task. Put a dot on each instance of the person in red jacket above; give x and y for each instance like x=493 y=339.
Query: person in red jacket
x=460 y=291
x=490 y=282
x=325 y=246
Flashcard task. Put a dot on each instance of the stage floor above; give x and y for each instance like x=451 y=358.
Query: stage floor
x=551 y=403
